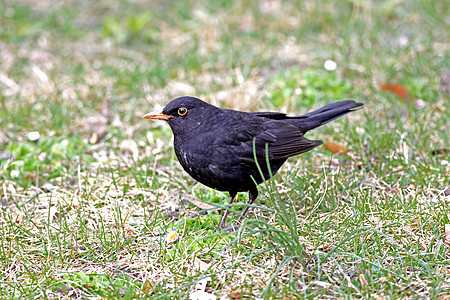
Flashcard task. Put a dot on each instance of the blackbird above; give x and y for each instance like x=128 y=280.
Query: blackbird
x=234 y=151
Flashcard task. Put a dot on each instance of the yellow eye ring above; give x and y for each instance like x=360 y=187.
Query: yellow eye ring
x=182 y=111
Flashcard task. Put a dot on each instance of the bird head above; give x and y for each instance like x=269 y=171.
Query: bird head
x=184 y=114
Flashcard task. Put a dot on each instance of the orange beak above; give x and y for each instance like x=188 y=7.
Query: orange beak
x=159 y=116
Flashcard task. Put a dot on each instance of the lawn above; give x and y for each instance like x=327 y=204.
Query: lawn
x=89 y=190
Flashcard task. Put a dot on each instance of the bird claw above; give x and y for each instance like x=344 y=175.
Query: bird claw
x=230 y=228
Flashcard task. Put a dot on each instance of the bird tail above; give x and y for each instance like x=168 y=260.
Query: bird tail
x=327 y=113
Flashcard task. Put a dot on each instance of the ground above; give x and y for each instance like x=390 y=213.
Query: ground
x=90 y=191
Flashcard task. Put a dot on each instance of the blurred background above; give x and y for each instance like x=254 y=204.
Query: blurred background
x=84 y=70
x=62 y=60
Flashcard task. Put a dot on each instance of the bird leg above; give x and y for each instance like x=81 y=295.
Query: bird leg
x=224 y=218
x=252 y=195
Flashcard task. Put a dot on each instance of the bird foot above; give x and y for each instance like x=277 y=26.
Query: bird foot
x=230 y=228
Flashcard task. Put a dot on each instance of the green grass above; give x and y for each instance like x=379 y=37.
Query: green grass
x=88 y=217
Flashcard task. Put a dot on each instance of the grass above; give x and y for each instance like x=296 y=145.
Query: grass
x=86 y=207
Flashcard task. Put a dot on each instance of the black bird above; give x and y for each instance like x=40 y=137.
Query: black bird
x=221 y=147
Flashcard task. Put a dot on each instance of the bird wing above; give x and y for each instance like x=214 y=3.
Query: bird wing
x=224 y=155
x=283 y=140
x=269 y=115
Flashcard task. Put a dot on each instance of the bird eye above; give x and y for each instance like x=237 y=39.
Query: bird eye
x=182 y=111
